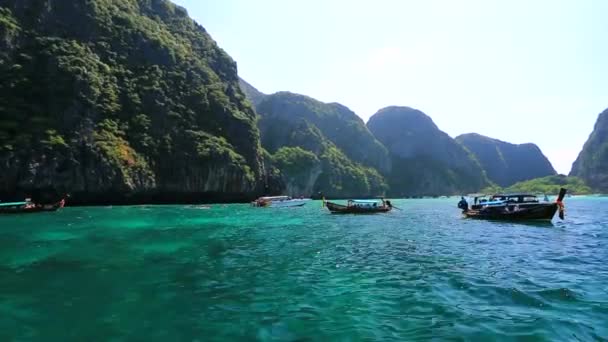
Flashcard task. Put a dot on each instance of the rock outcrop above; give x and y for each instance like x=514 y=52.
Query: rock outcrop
x=505 y=163
x=336 y=122
x=425 y=160
x=252 y=93
x=351 y=158
x=120 y=101
x=592 y=163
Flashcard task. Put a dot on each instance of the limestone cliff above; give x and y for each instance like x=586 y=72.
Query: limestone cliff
x=120 y=101
x=426 y=161
x=592 y=163
x=279 y=112
x=348 y=154
x=505 y=163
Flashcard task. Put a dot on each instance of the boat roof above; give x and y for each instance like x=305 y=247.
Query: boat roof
x=522 y=194
x=12 y=204
x=365 y=201
x=494 y=202
x=274 y=197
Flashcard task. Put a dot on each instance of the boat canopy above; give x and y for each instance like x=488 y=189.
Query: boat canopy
x=523 y=194
x=365 y=201
x=275 y=198
x=515 y=198
x=12 y=204
x=519 y=197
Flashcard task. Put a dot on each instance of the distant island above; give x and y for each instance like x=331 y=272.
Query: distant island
x=136 y=103
x=549 y=185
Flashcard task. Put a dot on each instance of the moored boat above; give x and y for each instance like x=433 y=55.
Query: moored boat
x=360 y=207
x=279 y=202
x=514 y=207
x=27 y=207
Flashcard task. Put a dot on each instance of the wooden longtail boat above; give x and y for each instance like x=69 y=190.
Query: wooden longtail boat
x=516 y=207
x=359 y=207
x=28 y=207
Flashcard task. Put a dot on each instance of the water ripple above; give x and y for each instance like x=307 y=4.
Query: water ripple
x=239 y=273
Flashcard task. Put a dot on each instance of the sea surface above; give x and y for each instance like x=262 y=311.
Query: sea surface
x=232 y=272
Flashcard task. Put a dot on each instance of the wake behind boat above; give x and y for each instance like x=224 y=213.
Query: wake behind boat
x=279 y=202
x=513 y=207
x=359 y=207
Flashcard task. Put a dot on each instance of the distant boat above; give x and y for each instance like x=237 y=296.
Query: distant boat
x=514 y=207
x=360 y=207
x=279 y=202
x=28 y=206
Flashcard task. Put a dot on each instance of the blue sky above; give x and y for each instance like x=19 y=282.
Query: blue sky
x=519 y=71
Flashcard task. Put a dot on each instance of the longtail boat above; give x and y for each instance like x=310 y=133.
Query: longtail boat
x=514 y=207
x=27 y=207
x=359 y=207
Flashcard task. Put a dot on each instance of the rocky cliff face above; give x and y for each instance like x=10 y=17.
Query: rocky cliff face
x=426 y=161
x=299 y=170
x=505 y=163
x=252 y=93
x=592 y=163
x=349 y=155
x=337 y=123
x=120 y=100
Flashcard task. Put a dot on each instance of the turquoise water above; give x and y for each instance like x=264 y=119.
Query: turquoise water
x=182 y=273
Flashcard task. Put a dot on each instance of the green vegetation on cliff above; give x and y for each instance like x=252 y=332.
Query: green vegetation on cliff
x=298 y=168
x=254 y=95
x=425 y=160
x=347 y=151
x=338 y=124
x=549 y=185
x=505 y=163
x=126 y=96
x=115 y=99
x=592 y=163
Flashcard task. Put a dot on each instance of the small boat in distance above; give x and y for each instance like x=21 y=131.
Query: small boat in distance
x=279 y=202
x=360 y=207
x=513 y=207
x=28 y=207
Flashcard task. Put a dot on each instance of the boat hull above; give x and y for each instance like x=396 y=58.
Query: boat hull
x=335 y=208
x=541 y=211
x=289 y=203
x=30 y=210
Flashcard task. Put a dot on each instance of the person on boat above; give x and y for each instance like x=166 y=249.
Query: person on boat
x=463 y=204
x=29 y=204
x=388 y=204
